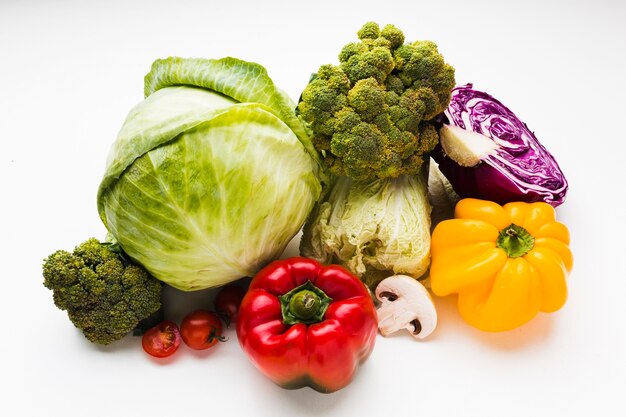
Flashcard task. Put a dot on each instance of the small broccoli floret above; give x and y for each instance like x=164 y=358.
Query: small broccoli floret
x=371 y=115
x=104 y=295
x=327 y=96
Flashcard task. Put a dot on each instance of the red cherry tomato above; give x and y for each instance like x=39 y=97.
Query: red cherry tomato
x=201 y=329
x=161 y=340
x=227 y=302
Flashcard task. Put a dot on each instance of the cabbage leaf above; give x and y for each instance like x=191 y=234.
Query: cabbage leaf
x=210 y=176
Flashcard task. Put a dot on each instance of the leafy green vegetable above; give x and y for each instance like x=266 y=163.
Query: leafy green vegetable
x=374 y=228
x=211 y=175
x=371 y=114
x=372 y=118
x=104 y=295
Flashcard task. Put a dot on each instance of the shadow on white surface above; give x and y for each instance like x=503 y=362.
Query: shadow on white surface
x=538 y=330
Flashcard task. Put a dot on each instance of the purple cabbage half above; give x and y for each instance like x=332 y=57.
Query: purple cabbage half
x=486 y=152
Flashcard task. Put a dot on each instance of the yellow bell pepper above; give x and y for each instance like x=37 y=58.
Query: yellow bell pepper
x=506 y=263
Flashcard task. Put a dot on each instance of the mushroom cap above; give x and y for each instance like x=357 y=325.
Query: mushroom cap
x=405 y=304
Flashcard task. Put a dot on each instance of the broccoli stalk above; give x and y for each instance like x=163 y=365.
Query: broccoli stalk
x=371 y=116
x=105 y=295
x=373 y=120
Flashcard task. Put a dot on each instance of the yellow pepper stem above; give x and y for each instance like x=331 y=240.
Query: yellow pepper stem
x=515 y=240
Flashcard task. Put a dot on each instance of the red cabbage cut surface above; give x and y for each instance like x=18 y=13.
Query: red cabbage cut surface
x=520 y=169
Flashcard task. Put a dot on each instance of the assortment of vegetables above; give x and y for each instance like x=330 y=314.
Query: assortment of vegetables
x=217 y=170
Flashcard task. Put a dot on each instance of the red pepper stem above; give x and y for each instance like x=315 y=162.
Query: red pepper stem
x=304 y=304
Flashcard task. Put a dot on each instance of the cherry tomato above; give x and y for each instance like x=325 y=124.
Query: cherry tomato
x=227 y=302
x=161 y=340
x=201 y=329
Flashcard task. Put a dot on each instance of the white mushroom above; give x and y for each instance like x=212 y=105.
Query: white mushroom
x=405 y=304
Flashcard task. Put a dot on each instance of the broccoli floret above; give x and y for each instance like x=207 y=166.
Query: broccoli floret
x=104 y=294
x=372 y=115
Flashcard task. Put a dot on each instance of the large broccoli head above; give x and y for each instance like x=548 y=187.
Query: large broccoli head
x=104 y=295
x=371 y=115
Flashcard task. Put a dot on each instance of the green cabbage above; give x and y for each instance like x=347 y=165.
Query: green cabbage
x=373 y=228
x=211 y=175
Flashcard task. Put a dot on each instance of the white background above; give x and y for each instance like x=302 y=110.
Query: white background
x=71 y=70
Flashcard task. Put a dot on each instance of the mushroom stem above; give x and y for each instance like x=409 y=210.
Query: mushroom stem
x=405 y=304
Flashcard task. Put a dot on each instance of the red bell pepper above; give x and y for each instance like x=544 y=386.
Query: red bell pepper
x=305 y=324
